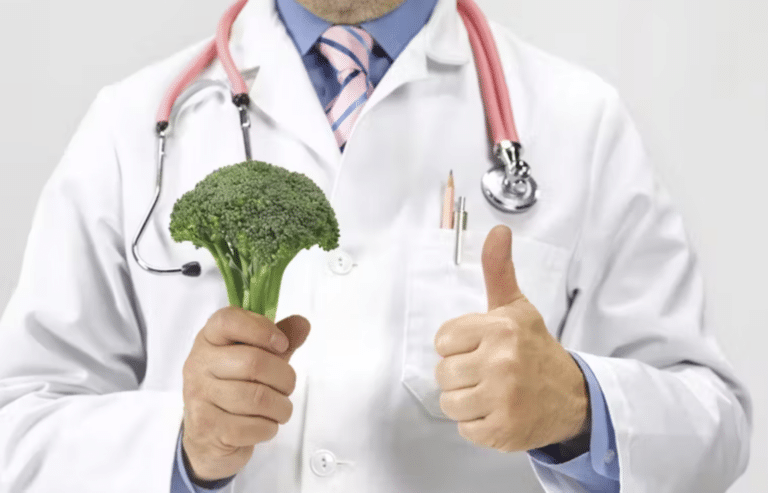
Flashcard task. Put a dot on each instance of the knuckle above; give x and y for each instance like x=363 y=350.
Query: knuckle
x=255 y=365
x=197 y=421
x=496 y=437
x=226 y=438
x=446 y=403
x=228 y=435
x=443 y=341
x=283 y=411
x=218 y=318
x=270 y=429
x=187 y=371
x=440 y=372
x=191 y=388
x=229 y=317
x=260 y=323
x=484 y=436
x=190 y=392
x=197 y=340
x=438 y=335
x=442 y=333
x=288 y=412
x=291 y=379
x=262 y=398
x=194 y=362
x=466 y=431
x=492 y=428
x=261 y=429
x=506 y=363
x=474 y=318
x=503 y=330
x=443 y=372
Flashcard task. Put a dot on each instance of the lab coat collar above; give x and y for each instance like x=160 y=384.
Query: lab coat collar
x=259 y=42
x=446 y=37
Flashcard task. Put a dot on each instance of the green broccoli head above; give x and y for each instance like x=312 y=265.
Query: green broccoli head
x=255 y=218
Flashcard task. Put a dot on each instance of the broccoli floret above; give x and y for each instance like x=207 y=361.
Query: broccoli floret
x=255 y=218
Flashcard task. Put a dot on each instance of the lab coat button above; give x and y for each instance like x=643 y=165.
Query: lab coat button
x=609 y=456
x=323 y=463
x=340 y=262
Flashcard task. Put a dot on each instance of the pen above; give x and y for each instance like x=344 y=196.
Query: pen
x=460 y=223
x=447 y=219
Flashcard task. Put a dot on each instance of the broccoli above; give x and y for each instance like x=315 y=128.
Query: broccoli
x=254 y=218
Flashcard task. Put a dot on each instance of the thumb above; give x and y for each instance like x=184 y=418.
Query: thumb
x=296 y=329
x=498 y=269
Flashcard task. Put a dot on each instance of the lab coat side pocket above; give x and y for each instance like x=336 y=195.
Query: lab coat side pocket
x=437 y=290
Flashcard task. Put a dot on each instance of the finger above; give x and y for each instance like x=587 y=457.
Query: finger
x=498 y=269
x=465 y=404
x=476 y=430
x=296 y=328
x=458 y=371
x=252 y=364
x=460 y=335
x=233 y=325
x=233 y=430
x=250 y=399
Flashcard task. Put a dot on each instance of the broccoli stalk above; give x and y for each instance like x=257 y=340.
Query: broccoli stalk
x=254 y=218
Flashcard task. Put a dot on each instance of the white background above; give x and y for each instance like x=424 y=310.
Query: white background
x=694 y=74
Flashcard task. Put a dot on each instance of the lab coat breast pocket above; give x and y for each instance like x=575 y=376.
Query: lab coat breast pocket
x=438 y=290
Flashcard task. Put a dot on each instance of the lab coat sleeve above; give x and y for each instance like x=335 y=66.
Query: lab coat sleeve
x=681 y=418
x=181 y=482
x=72 y=344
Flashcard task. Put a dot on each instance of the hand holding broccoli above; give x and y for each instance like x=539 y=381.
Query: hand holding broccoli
x=254 y=218
x=236 y=386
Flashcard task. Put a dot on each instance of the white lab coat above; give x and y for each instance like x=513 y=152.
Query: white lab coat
x=92 y=346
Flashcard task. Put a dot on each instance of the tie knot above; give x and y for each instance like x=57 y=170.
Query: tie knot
x=347 y=48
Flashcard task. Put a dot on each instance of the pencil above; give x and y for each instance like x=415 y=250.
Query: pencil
x=447 y=220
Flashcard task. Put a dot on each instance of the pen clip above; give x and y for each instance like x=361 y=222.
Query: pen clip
x=460 y=222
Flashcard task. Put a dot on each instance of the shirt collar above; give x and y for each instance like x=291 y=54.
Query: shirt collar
x=391 y=31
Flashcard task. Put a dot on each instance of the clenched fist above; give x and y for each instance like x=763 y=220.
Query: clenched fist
x=505 y=379
x=236 y=386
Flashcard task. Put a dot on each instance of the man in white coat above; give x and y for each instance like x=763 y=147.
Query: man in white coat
x=567 y=352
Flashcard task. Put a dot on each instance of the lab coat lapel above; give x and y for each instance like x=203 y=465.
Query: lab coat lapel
x=280 y=86
x=278 y=82
x=443 y=39
x=283 y=90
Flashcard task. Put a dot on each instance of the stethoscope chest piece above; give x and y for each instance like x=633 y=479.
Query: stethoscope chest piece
x=509 y=186
x=515 y=195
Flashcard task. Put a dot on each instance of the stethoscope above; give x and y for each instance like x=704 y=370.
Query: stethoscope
x=508 y=185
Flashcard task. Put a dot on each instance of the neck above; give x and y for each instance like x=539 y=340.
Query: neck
x=350 y=11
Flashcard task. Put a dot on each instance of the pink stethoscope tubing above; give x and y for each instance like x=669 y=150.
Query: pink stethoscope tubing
x=508 y=186
x=491 y=74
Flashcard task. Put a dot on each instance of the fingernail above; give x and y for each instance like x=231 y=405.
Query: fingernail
x=278 y=342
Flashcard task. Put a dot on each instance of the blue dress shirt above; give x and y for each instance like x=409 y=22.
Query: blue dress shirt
x=597 y=469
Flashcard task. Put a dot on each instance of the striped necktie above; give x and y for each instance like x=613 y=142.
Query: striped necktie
x=347 y=49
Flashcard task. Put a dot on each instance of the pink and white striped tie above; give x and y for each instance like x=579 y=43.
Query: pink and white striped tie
x=348 y=49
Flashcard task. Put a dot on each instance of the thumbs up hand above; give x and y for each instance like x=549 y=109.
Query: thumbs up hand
x=510 y=385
